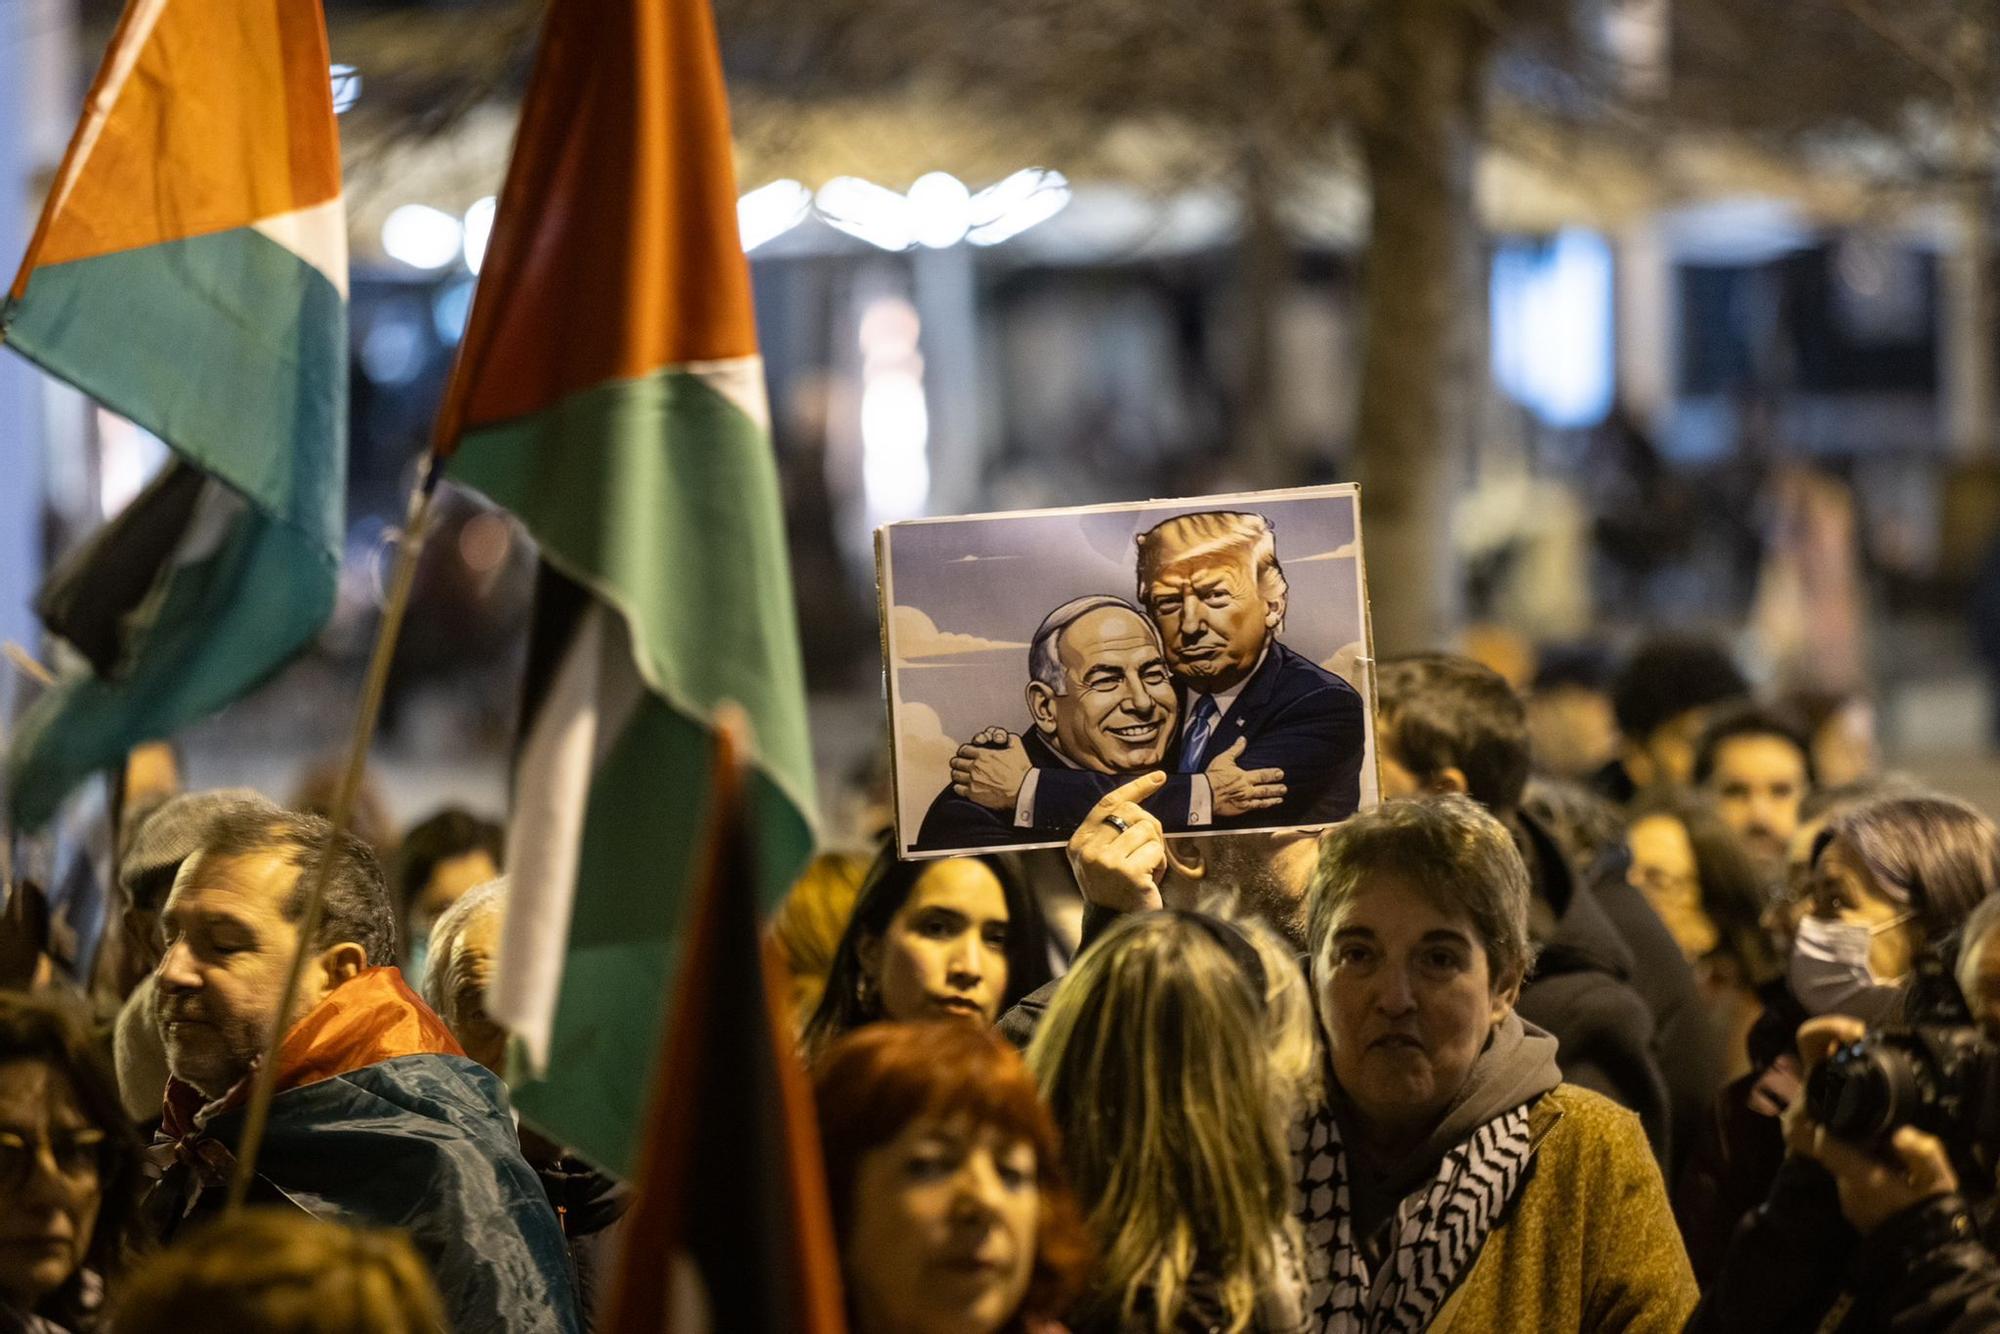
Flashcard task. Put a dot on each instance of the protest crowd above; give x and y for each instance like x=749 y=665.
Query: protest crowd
x=1256 y=990
x=1705 y=1039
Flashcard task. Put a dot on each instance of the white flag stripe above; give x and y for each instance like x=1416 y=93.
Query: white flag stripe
x=317 y=235
x=217 y=511
x=741 y=381
x=589 y=703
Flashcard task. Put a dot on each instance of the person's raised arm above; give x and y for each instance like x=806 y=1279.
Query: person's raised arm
x=1119 y=851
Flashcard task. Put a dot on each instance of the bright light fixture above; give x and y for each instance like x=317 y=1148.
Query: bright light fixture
x=1550 y=308
x=942 y=209
x=1009 y=207
x=938 y=212
x=478 y=230
x=895 y=415
x=770 y=211
x=346 y=87
x=875 y=213
x=421 y=236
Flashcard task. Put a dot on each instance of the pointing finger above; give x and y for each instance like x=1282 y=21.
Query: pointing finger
x=1140 y=788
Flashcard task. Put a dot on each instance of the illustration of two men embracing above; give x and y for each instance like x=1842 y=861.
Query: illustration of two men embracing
x=1192 y=680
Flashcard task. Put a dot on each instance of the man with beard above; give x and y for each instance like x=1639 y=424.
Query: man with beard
x=1266 y=736
x=378 y=1117
x=1758 y=768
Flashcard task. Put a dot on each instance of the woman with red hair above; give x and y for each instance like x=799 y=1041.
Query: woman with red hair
x=945 y=1179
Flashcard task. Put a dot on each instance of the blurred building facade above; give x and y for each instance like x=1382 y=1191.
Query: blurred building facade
x=1659 y=370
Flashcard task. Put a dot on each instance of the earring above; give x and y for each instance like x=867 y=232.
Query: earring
x=864 y=994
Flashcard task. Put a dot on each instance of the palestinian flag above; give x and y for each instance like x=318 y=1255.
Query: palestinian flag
x=190 y=273
x=609 y=393
x=730 y=1227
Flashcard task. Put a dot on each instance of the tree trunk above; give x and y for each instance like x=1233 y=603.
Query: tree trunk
x=1427 y=62
x=1969 y=380
x=1264 y=269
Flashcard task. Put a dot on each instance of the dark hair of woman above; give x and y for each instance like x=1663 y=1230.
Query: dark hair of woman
x=1732 y=890
x=34 y=1028
x=843 y=1006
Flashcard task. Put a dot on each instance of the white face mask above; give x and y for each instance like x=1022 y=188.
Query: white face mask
x=1829 y=971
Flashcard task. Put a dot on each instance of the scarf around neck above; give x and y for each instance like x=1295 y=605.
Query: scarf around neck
x=1437 y=1229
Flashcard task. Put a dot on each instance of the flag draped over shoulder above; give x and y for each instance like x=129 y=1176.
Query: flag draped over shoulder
x=730 y=1227
x=609 y=392
x=190 y=273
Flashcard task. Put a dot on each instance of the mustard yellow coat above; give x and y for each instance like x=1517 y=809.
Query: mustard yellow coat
x=1588 y=1243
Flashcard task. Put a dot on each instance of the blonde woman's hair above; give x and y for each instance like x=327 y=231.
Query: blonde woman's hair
x=1152 y=1058
x=280 y=1271
x=808 y=924
x=1291 y=1023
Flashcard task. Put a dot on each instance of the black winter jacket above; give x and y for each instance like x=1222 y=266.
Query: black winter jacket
x=1795 y=1261
x=1581 y=992
x=1687 y=1046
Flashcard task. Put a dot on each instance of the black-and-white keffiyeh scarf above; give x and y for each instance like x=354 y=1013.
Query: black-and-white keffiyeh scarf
x=1437 y=1230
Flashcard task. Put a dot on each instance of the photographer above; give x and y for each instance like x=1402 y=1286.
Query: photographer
x=1885 y=1216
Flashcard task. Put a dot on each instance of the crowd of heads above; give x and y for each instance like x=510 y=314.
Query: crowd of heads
x=1240 y=1102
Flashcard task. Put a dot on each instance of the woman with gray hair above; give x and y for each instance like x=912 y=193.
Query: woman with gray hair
x=1448 y=1178
x=458 y=963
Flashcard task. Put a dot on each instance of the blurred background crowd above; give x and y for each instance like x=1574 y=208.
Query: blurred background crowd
x=1693 y=328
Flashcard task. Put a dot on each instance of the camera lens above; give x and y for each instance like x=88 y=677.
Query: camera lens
x=1864 y=1092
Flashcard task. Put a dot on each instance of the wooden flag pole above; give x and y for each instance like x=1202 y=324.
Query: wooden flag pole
x=257 y=1115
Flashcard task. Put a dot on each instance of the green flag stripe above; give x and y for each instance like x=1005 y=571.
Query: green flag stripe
x=661 y=497
x=211 y=630
x=228 y=346
x=647 y=811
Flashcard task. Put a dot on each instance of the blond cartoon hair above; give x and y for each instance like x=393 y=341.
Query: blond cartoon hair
x=1206 y=537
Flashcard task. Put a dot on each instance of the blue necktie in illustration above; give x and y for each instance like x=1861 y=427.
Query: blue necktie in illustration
x=1206 y=715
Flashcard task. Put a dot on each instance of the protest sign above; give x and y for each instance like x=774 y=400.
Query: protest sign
x=1037 y=660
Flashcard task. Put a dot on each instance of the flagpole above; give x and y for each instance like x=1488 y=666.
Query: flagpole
x=374 y=686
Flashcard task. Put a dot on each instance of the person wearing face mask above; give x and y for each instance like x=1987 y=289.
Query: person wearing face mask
x=946 y=1185
x=1450 y=1179
x=1892 y=879
x=1739 y=1145
x=955 y=937
x=1907 y=876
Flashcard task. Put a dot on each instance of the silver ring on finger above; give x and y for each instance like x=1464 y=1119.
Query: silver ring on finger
x=1116 y=823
